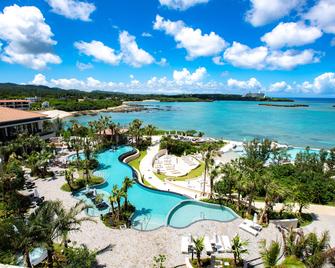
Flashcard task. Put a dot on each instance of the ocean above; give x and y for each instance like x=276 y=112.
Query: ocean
x=312 y=126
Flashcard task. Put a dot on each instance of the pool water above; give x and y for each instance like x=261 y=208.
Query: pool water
x=152 y=206
x=180 y=216
x=36 y=256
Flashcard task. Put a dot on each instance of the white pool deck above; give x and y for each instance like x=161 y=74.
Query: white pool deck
x=131 y=248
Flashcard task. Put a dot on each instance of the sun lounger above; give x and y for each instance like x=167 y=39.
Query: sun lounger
x=253 y=225
x=185 y=241
x=218 y=243
x=226 y=243
x=208 y=245
x=248 y=229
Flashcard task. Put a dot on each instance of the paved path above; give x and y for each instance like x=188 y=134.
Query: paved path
x=146 y=170
x=324 y=219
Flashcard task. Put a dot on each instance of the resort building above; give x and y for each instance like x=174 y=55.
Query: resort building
x=255 y=95
x=16 y=104
x=14 y=122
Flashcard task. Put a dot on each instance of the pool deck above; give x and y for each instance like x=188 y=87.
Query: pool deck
x=131 y=248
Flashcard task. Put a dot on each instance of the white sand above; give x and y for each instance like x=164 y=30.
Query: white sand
x=56 y=113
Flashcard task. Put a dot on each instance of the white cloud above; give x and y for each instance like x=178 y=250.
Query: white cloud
x=291 y=34
x=195 y=43
x=323 y=15
x=99 y=51
x=323 y=84
x=28 y=38
x=265 y=11
x=186 y=82
x=39 y=79
x=131 y=53
x=280 y=87
x=84 y=66
x=245 y=85
x=72 y=9
x=181 y=4
x=289 y=59
x=162 y=62
x=259 y=58
x=218 y=60
x=186 y=77
x=145 y=34
x=241 y=55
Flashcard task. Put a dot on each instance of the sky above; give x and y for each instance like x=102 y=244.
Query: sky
x=286 y=48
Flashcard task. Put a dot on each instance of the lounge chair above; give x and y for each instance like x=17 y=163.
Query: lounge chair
x=208 y=245
x=218 y=244
x=185 y=241
x=248 y=229
x=253 y=225
x=226 y=243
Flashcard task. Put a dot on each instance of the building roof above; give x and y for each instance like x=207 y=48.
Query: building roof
x=9 y=115
x=5 y=101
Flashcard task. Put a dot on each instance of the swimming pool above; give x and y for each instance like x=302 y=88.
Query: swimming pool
x=192 y=211
x=152 y=206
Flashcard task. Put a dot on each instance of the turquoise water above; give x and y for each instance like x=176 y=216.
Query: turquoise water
x=313 y=126
x=152 y=207
x=192 y=211
x=292 y=152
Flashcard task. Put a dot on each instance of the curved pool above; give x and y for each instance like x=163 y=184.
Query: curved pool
x=152 y=206
x=190 y=211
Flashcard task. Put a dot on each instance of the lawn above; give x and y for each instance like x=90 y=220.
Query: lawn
x=80 y=183
x=136 y=162
x=194 y=173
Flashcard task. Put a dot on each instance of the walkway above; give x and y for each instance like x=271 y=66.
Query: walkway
x=146 y=170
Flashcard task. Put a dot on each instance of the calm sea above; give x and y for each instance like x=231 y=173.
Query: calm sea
x=238 y=120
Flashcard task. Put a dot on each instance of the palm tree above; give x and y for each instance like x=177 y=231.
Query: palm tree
x=118 y=194
x=135 y=130
x=58 y=125
x=112 y=200
x=209 y=162
x=127 y=183
x=273 y=192
x=69 y=177
x=150 y=130
x=239 y=248
x=68 y=220
x=270 y=255
x=25 y=234
x=52 y=221
x=198 y=247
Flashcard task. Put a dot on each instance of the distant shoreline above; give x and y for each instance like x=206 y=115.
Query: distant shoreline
x=284 y=105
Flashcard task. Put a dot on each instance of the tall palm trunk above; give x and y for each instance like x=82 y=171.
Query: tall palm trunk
x=50 y=256
x=250 y=204
x=113 y=209
x=238 y=200
x=27 y=258
x=118 y=208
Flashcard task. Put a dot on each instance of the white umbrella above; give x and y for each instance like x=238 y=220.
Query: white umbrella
x=36 y=194
x=255 y=218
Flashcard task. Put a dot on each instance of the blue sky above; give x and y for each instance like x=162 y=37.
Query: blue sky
x=171 y=46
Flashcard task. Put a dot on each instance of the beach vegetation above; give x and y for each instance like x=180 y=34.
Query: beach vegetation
x=270 y=254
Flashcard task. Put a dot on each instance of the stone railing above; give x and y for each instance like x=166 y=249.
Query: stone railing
x=286 y=223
